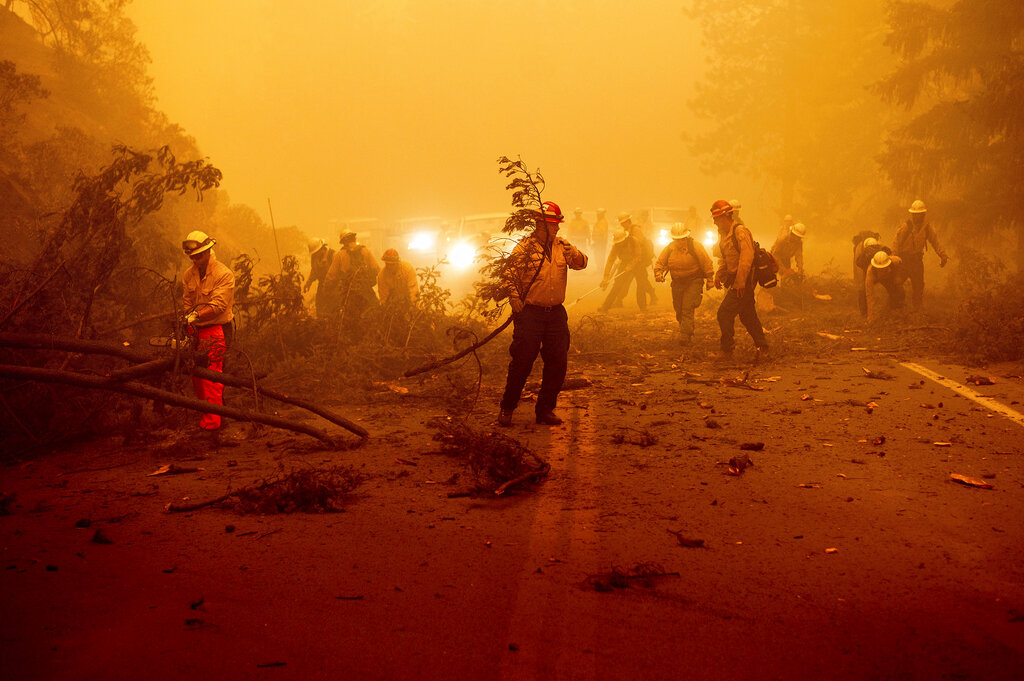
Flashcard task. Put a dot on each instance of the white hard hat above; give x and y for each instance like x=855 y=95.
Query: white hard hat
x=196 y=242
x=735 y=203
x=624 y=216
x=619 y=235
x=870 y=241
x=788 y=218
x=315 y=245
x=918 y=207
x=679 y=231
x=798 y=230
x=881 y=260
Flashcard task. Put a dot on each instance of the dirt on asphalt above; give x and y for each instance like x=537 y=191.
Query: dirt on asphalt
x=844 y=551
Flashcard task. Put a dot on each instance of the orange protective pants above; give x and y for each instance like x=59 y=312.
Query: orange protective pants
x=210 y=340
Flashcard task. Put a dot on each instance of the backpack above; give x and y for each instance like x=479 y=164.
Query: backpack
x=765 y=266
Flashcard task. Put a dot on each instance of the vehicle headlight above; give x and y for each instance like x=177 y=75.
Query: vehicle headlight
x=664 y=238
x=424 y=241
x=709 y=240
x=461 y=256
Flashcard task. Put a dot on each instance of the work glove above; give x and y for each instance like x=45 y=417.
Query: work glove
x=191 y=317
x=660 y=278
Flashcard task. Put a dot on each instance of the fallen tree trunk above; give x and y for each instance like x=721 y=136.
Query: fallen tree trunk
x=149 y=392
x=147 y=364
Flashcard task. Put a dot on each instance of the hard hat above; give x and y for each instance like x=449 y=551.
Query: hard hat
x=390 y=255
x=315 y=245
x=679 y=231
x=577 y=210
x=788 y=218
x=552 y=213
x=798 y=230
x=881 y=260
x=196 y=242
x=619 y=235
x=735 y=203
x=624 y=216
x=720 y=207
x=870 y=241
x=347 y=236
x=918 y=207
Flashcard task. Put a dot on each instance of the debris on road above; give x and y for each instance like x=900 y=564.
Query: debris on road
x=738 y=464
x=634 y=436
x=310 y=490
x=752 y=446
x=969 y=481
x=497 y=461
x=644 y=573
x=173 y=469
x=687 y=542
x=879 y=375
x=832 y=550
x=943 y=444
x=830 y=336
x=979 y=380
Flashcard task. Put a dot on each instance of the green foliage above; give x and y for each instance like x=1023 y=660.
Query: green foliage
x=962 y=77
x=786 y=93
x=16 y=89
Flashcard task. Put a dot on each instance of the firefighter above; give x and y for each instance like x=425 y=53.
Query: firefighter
x=578 y=230
x=691 y=269
x=735 y=274
x=353 y=274
x=208 y=294
x=618 y=270
x=863 y=252
x=890 y=272
x=599 y=236
x=396 y=282
x=536 y=285
x=788 y=250
x=645 y=256
x=320 y=257
x=912 y=238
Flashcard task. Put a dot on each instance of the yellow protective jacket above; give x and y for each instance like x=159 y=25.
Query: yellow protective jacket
x=912 y=242
x=396 y=284
x=737 y=246
x=214 y=291
x=684 y=259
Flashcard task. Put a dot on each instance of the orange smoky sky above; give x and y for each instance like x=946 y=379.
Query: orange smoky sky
x=399 y=108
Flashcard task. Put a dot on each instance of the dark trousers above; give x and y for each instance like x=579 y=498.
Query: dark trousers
x=686 y=297
x=644 y=288
x=913 y=265
x=543 y=331
x=733 y=305
x=620 y=287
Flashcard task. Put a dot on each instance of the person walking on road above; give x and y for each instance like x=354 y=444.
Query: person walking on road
x=645 y=256
x=890 y=272
x=208 y=293
x=691 y=269
x=578 y=230
x=618 y=271
x=536 y=285
x=912 y=239
x=735 y=273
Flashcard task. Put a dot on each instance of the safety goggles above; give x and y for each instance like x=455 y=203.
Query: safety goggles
x=191 y=246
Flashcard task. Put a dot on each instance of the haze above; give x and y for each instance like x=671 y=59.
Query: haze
x=399 y=108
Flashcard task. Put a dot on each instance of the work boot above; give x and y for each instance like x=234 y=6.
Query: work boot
x=761 y=353
x=549 y=419
x=505 y=418
x=722 y=356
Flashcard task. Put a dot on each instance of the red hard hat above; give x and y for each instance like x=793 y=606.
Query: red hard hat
x=390 y=255
x=720 y=207
x=552 y=213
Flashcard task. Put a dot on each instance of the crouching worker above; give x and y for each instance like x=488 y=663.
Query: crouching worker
x=890 y=272
x=536 y=280
x=691 y=269
x=209 y=293
x=398 y=290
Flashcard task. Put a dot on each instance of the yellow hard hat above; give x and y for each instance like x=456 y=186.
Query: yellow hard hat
x=196 y=242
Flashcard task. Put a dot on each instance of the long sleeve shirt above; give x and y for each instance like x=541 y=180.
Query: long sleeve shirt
x=684 y=259
x=912 y=242
x=396 y=283
x=529 y=258
x=789 y=247
x=215 y=291
x=737 y=247
x=892 y=275
x=318 y=266
x=358 y=263
x=623 y=256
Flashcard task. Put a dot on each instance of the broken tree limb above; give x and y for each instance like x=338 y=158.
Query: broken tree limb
x=149 y=392
x=539 y=473
x=147 y=364
x=459 y=355
x=236 y=382
x=42 y=341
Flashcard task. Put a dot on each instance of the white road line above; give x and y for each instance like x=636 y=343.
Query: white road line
x=984 y=401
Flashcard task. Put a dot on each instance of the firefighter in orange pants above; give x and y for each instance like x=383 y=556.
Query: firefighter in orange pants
x=209 y=292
